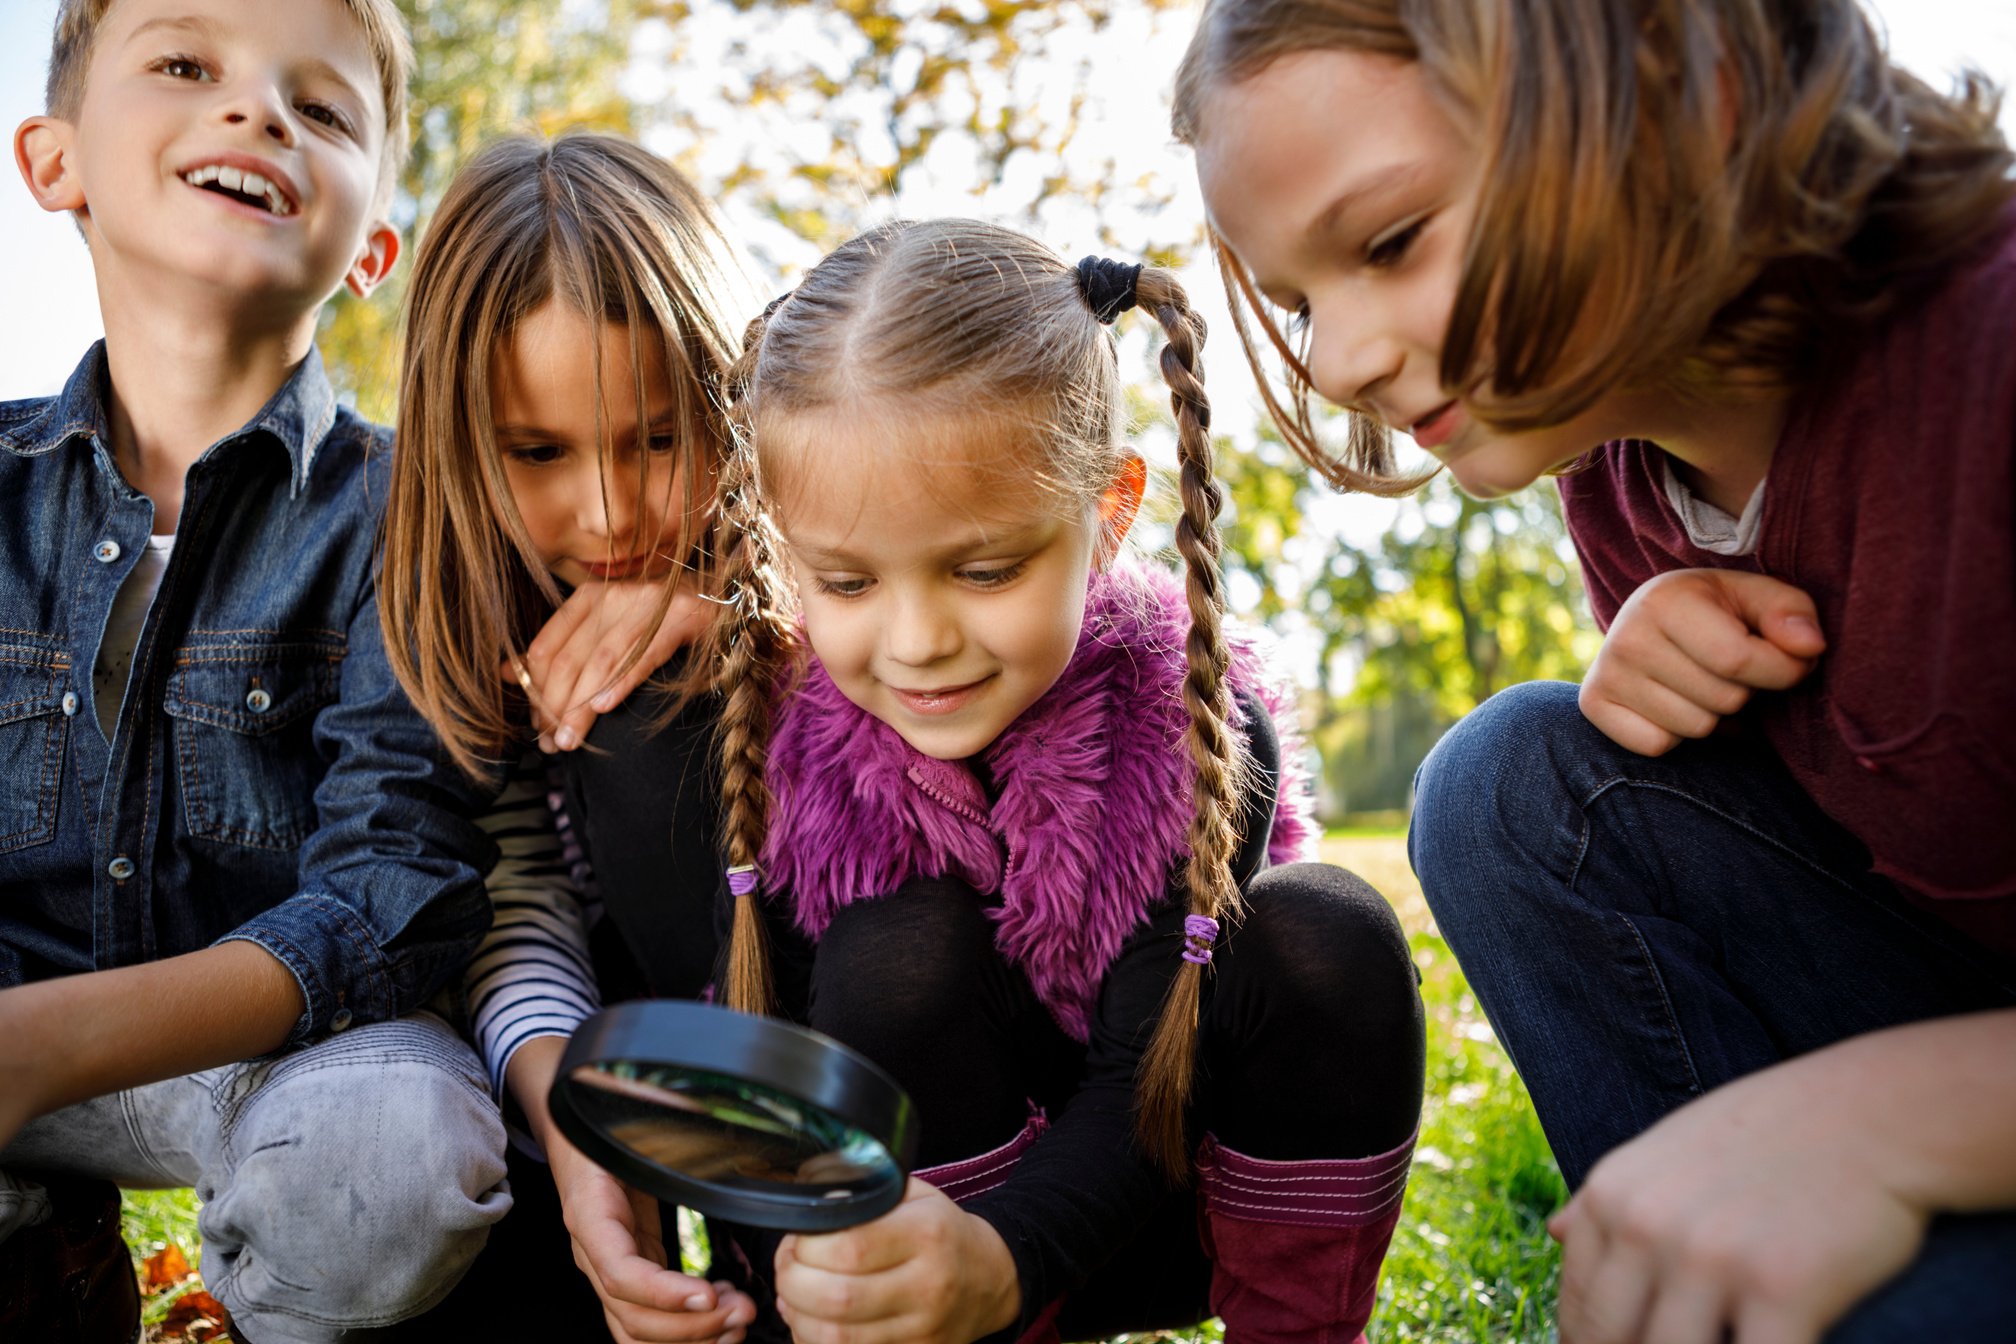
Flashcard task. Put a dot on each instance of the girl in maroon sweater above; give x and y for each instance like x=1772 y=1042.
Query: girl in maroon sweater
x=1752 y=290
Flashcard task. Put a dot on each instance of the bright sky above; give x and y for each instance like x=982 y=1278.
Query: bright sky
x=52 y=308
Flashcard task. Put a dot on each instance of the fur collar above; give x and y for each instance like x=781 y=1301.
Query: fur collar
x=1091 y=805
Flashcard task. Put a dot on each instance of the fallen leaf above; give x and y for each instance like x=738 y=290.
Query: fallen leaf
x=164 y=1269
x=196 y=1317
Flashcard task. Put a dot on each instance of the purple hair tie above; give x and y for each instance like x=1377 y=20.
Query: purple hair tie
x=742 y=880
x=1199 y=932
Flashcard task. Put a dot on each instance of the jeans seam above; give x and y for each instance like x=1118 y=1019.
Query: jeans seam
x=1666 y=1005
x=1644 y=949
x=136 y=1133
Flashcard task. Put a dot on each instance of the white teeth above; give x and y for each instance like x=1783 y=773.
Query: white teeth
x=250 y=183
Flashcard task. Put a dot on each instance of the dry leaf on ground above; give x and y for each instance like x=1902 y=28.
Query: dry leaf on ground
x=196 y=1317
x=164 y=1269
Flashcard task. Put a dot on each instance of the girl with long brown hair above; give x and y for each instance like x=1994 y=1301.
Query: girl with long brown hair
x=1021 y=797
x=1744 y=907
x=571 y=324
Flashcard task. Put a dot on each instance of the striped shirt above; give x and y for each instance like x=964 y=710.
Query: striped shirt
x=531 y=976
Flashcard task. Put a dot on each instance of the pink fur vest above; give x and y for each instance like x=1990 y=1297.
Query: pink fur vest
x=1091 y=807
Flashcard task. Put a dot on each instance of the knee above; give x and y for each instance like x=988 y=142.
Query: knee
x=1489 y=781
x=924 y=948
x=1317 y=935
x=370 y=1170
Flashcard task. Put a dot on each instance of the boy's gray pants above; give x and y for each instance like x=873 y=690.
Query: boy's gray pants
x=345 y=1186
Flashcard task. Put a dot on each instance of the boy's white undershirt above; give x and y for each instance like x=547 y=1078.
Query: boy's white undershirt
x=1709 y=527
x=122 y=629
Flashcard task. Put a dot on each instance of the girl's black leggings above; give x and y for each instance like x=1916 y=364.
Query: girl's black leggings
x=1310 y=1045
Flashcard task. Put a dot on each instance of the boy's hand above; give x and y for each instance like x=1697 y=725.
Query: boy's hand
x=573 y=671
x=1754 y=1210
x=1688 y=648
x=620 y=1246
x=924 y=1271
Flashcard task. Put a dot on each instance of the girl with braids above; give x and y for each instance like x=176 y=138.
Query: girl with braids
x=1023 y=800
x=1743 y=909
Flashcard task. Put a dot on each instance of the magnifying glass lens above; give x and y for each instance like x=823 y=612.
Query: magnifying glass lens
x=710 y=1127
x=743 y=1118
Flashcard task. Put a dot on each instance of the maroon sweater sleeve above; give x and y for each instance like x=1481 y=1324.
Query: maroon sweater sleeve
x=1891 y=501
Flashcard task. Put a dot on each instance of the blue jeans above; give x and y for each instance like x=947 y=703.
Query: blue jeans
x=345 y=1186
x=1642 y=930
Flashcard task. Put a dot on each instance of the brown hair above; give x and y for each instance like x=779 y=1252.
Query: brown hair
x=1844 y=182
x=384 y=29
x=960 y=317
x=617 y=233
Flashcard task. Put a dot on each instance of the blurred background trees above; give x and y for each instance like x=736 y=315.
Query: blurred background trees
x=808 y=120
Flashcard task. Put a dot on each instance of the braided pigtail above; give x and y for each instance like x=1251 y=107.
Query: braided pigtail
x=750 y=647
x=1168 y=1067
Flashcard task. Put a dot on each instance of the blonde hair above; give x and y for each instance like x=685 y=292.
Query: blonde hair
x=960 y=317
x=383 y=27
x=619 y=235
x=1726 y=261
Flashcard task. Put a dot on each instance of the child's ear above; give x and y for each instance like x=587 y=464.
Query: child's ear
x=1118 y=504
x=374 y=262
x=42 y=153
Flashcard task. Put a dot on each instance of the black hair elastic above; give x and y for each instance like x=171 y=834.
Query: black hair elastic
x=1108 y=286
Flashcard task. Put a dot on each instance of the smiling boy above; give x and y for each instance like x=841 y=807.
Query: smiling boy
x=233 y=863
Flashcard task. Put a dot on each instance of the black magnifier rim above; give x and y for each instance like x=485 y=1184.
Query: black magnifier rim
x=765 y=1051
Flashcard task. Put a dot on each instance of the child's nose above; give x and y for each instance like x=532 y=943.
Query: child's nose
x=260 y=104
x=609 y=506
x=921 y=631
x=1351 y=359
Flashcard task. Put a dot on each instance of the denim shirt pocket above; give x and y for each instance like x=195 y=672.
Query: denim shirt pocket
x=243 y=724
x=34 y=729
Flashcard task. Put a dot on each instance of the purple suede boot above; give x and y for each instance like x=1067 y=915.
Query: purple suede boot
x=1296 y=1247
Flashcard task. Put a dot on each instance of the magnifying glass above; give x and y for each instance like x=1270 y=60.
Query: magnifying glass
x=743 y=1118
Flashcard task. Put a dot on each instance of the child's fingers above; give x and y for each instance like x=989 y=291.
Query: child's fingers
x=1606 y=1288
x=1626 y=726
x=1724 y=644
x=1776 y=611
x=1688 y=1308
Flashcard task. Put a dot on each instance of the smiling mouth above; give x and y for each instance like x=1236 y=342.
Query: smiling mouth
x=243 y=186
x=942 y=700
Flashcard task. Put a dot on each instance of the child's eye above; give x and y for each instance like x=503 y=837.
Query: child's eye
x=1298 y=321
x=993 y=578
x=666 y=443
x=840 y=587
x=328 y=116
x=181 y=67
x=535 y=454
x=1389 y=249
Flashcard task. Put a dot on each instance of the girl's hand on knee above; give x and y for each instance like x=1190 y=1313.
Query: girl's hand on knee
x=575 y=666
x=620 y=1245
x=1754 y=1211
x=925 y=1271
x=1688 y=648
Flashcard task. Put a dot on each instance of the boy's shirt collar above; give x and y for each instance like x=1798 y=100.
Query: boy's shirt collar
x=299 y=415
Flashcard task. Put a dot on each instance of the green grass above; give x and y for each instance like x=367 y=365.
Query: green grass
x=1472 y=1261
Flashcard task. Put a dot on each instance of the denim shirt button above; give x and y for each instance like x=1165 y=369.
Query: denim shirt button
x=69 y=704
x=107 y=551
x=120 y=868
x=258 y=700
x=341 y=1020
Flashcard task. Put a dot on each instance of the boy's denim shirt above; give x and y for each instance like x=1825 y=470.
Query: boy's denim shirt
x=267 y=779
